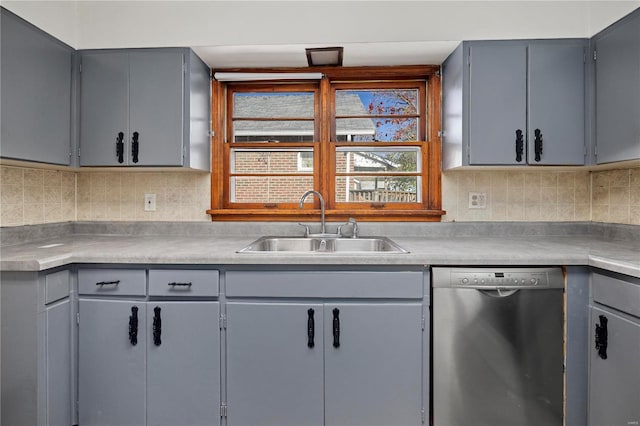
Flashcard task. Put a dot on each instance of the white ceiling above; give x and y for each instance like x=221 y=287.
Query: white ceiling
x=242 y=33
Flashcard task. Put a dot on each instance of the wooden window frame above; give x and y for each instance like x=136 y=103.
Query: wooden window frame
x=429 y=209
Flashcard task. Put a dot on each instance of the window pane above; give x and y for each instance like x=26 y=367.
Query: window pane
x=384 y=189
x=271 y=161
x=377 y=130
x=374 y=160
x=280 y=131
x=269 y=189
x=273 y=105
x=377 y=102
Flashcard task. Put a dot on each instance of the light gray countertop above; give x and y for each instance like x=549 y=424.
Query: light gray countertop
x=597 y=251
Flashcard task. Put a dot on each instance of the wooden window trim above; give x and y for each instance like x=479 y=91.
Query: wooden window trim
x=430 y=210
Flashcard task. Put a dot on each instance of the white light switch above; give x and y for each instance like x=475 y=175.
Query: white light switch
x=477 y=200
x=150 y=202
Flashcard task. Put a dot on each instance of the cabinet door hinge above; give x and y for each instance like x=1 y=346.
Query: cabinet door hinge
x=77 y=318
x=223 y=410
x=423 y=323
x=595 y=55
x=422 y=416
x=80 y=67
x=223 y=321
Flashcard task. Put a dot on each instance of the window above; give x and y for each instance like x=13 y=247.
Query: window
x=366 y=138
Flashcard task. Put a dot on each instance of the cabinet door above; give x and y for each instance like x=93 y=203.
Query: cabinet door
x=497 y=102
x=36 y=93
x=111 y=368
x=183 y=363
x=618 y=92
x=58 y=363
x=156 y=107
x=374 y=377
x=556 y=103
x=104 y=108
x=273 y=376
x=614 y=382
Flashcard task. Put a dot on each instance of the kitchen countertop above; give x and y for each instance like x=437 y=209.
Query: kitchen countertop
x=596 y=251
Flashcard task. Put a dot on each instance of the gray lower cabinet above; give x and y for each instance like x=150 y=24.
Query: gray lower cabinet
x=36 y=80
x=617 y=73
x=326 y=361
x=148 y=360
x=144 y=107
x=514 y=103
x=36 y=347
x=614 y=373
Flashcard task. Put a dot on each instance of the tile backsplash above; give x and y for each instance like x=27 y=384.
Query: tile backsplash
x=34 y=196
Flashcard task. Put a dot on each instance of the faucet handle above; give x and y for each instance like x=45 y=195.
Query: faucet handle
x=306 y=229
x=354 y=227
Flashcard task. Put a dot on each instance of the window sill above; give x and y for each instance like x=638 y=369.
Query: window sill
x=386 y=215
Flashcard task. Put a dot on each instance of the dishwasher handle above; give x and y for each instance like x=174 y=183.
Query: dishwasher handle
x=500 y=292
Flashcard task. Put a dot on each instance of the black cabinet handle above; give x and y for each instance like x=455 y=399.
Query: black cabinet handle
x=602 y=336
x=133 y=326
x=519 y=145
x=336 y=328
x=120 y=147
x=311 y=329
x=537 y=147
x=135 y=147
x=157 y=326
x=101 y=283
x=179 y=284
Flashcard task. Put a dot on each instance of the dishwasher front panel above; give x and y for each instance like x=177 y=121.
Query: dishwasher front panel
x=497 y=357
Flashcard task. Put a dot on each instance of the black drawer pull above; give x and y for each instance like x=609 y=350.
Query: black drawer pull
x=602 y=337
x=311 y=329
x=537 y=144
x=120 y=147
x=519 y=145
x=116 y=282
x=135 y=147
x=179 y=284
x=157 y=326
x=336 y=328
x=133 y=326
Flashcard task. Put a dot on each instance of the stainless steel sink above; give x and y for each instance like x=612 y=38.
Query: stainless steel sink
x=323 y=245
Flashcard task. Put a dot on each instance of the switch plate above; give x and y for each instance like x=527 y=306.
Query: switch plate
x=477 y=200
x=150 y=202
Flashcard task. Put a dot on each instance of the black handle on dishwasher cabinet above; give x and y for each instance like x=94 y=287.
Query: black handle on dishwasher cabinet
x=133 y=326
x=537 y=144
x=519 y=145
x=120 y=147
x=602 y=337
x=157 y=326
x=336 y=328
x=135 y=147
x=311 y=329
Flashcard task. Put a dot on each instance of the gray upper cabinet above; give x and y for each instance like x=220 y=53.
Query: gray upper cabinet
x=36 y=79
x=514 y=103
x=617 y=75
x=144 y=107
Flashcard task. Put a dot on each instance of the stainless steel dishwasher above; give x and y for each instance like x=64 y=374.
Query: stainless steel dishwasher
x=498 y=347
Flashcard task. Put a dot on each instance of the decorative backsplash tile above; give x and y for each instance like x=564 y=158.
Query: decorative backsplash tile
x=34 y=196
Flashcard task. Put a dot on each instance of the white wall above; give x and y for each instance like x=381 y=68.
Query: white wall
x=97 y=24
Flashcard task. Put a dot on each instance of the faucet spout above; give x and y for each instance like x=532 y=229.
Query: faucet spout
x=321 y=198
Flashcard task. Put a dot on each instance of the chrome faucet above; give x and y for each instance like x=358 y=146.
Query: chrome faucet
x=321 y=198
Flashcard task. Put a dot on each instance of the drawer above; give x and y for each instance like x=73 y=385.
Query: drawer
x=112 y=282
x=619 y=292
x=56 y=286
x=183 y=282
x=326 y=284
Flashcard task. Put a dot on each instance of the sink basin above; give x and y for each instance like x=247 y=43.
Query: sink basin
x=323 y=245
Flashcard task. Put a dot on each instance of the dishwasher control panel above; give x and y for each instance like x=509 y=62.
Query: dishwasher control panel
x=496 y=277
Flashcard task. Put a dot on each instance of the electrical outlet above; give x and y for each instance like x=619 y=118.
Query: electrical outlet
x=477 y=200
x=149 y=202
